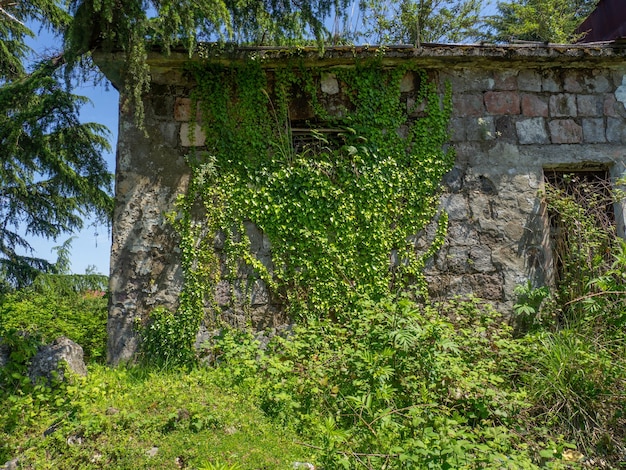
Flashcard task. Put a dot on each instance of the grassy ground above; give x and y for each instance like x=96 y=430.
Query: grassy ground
x=135 y=419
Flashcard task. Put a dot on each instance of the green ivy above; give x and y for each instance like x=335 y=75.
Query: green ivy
x=336 y=212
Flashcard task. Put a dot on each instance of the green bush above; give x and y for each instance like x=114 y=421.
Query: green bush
x=397 y=385
x=50 y=309
x=161 y=342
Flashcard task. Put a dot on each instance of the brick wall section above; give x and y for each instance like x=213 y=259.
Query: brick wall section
x=559 y=107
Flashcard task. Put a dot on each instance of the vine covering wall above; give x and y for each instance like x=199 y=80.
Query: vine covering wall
x=340 y=210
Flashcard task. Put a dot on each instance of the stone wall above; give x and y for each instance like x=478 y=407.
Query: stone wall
x=516 y=111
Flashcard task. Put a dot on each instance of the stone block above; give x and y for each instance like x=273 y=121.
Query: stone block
x=565 y=131
x=255 y=236
x=183 y=110
x=505 y=128
x=571 y=83
x=550 y=82
x=407 y=84
x=468 y=81
x=534 y=105
x=505 y=80
x=611 y=106
x=168 y=131
x=615 y=130
x=329 y=84
x=462 y=235
x=563 y=105
x=513 y=230
x=223 y=293
x=486 y=286
x=453 y=180
x=528 y=80
x=260 y=294
x=480 y=259
x=593 y=130
x=468 y=105
x=51 y=360
x=597 y=83
x=456 y=260
x=532 y=131
x=502 y=102
x=162 y=106
x=456 y=206
x=618 y=76
x=503 y=153
x=620 y=93
x=457 y=129
x=191 y=137
x=590 y=105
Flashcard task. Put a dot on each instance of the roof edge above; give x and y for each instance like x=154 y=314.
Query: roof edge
x=612 y=53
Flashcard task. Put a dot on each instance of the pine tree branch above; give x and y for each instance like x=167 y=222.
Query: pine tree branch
x=6 y=13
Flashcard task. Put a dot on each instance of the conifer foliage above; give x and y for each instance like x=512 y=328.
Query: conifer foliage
x=52 y=174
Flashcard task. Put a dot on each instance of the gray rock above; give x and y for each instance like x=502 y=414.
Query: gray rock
x=50 y=359
x=13 y=464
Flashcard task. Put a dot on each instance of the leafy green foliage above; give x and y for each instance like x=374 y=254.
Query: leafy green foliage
x=53 y=172
x=575 y=381
x=332 y=214
x=584 y=236
x=60 y=305
x=421 y=21
x=528 y=306
x=133 y=27
x=161 y=339
x=397 y=385
x=574 y=366
x=14 y=32
x=19 y=347
x=538 y=20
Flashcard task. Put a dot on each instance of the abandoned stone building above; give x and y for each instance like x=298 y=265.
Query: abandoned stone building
x=519 y=113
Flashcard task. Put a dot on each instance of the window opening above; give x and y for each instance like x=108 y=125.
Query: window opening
x=582 y=225
x=314 y=136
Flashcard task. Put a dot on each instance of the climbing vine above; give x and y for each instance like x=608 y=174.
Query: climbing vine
x=340 y=211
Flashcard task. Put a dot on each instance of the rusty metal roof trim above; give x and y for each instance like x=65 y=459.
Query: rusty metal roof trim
x=606 y=23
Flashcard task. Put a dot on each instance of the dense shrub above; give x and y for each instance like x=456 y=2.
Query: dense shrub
x=60 y=306
x=397 y=385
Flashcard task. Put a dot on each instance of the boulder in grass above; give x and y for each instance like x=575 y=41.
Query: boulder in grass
x=51 y=360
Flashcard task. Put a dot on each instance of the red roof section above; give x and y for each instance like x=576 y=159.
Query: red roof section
x=606 y=23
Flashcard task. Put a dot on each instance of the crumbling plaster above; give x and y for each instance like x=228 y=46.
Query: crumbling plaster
x=516 y=111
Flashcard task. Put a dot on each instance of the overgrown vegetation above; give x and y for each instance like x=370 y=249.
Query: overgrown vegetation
x=141 y=419
x=394 y=384
x=333 y=211
x=60 y=305
x=578 y=379
x=371 y=377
